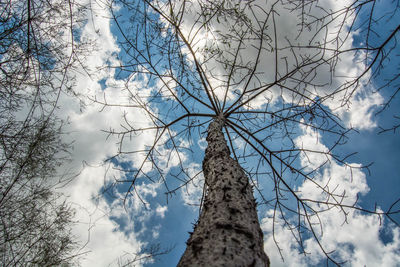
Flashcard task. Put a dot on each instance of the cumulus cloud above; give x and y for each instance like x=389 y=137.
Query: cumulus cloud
x=105 y=228
x=161 y=210
x=192 y=192
x=298 y=66
x=359 y=113
x=339 y=179
x=101 y=239
x=353 y=237
x=357 y=242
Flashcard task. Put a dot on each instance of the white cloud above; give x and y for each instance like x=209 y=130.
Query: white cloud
x=161 y=210
x=355 y=238
x=202 y=143
x=321 y=81
x=99 y=221
x=356 y=242
x=286 y=242
x=338 y=179
x=192 y=192
x=111 y=230
x=359 y=113
x=156 y=231
x=104 y=241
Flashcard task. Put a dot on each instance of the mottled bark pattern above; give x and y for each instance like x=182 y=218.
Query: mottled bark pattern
x=228 y=232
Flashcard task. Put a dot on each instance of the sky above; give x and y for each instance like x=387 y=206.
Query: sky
x=112 y=232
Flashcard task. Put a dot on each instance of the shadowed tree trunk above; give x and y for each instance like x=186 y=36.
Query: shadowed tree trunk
x=228 y=232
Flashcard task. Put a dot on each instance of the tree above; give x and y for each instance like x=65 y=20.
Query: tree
x=36 y=51
x=237 y=66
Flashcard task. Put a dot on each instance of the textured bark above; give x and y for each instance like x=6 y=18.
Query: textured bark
x=228 y=232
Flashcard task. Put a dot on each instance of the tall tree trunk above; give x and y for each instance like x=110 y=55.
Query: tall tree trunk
x=228 y=232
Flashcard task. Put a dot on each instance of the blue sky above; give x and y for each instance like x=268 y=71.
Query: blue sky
x=111 y=231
